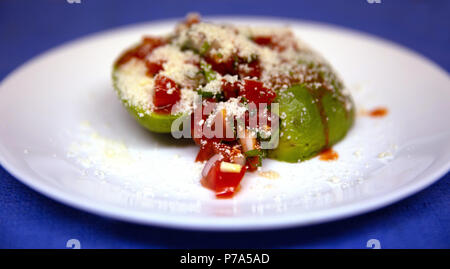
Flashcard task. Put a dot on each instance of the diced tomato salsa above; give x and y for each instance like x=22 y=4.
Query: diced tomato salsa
x=248 y=88
x=167 y=94
x=147 y=45
x=153 y=68
x=224 y=184
x=254 y=91
x=276 y=43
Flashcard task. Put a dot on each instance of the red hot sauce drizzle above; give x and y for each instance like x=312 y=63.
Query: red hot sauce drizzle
x=328 y=155
x=378 y=112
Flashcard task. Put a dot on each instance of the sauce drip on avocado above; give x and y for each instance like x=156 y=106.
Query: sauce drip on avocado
x=328 y=155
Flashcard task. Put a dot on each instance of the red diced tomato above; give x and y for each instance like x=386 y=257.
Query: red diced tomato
x=196 y=128
x=191 y=19
x=229 y=152
x=166 y=95
x=264 y=117
x=272 y=42
x=225 y=184
x=229 y=89
x=205 y=153
x=254 y=91
x=252 y=70
x=253 y=163
x=234 y=66
x=210 y=147
x=263 y=40
x=227 y=125
x=222 y=67
x=153 y=68
x=148 y=44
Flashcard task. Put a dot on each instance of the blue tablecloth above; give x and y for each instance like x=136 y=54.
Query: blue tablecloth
x=30 y=220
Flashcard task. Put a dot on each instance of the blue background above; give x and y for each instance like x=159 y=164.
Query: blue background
x=30 y=220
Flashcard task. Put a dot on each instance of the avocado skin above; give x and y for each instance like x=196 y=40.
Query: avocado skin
x=304 y=126
x=155 y=122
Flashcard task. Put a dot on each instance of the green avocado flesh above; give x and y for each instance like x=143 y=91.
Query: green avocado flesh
x=155 y=122
x=309 y=123
x=311 y=120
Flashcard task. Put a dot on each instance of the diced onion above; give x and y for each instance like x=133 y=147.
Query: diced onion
x=209 y=164
x=230 y=167
x=248 y=141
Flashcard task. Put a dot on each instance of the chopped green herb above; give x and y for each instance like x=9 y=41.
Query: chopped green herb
x=259 y=164
x=220 y=97
x=205 y=94
x=235 y=61
x=207 y=71
x=259 y=161
x=204 y=49
x=253 y=153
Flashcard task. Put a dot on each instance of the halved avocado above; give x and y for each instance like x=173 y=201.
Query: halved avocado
x=310 y=121
x=155 y=122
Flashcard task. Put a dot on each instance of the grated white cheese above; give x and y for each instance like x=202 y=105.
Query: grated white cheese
x=233 y=109
x=136 y=88
x=224 y=40
x=278 y=68
x=186 y=103
x=214 y=86
x=177 y=65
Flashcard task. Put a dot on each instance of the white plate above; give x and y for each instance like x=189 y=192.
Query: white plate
x=64 y=133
